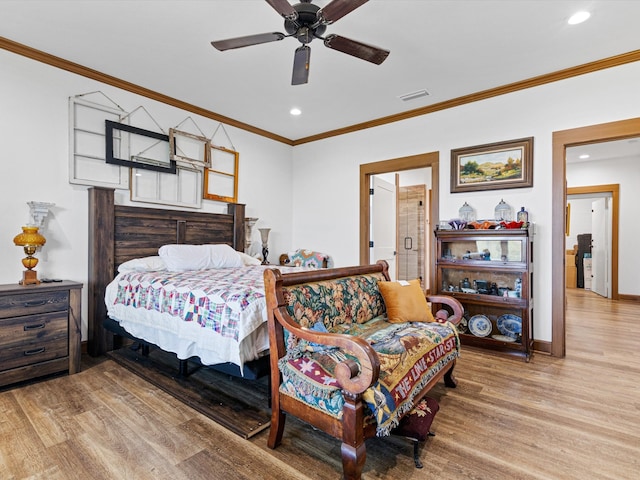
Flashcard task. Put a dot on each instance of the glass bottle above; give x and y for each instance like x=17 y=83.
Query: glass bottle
x=523 y=215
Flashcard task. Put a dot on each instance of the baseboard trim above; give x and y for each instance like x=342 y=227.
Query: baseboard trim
x=542 y=346
x=633 y=298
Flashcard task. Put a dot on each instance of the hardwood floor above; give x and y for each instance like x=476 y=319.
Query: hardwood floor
x=571 y=418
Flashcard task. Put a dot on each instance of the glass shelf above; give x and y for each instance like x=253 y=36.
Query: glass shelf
x=487 y=250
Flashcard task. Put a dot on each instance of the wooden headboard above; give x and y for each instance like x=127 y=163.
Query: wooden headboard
x=119 y=233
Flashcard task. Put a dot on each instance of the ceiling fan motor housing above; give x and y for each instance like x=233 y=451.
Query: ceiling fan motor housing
x=306 y=26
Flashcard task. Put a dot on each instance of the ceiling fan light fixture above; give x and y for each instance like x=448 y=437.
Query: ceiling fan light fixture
x=413 y=95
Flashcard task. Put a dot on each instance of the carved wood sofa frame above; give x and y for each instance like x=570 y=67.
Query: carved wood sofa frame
x=354 y=381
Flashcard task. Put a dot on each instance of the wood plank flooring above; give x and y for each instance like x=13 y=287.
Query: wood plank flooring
x=571 y=418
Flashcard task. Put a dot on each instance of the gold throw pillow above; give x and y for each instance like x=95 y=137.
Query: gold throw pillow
x=405 y=302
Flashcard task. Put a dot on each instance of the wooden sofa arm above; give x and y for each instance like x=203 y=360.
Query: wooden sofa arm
x=351 y=378
x=456 y=306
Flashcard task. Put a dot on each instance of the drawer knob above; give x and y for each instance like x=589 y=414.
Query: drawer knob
x=36 y=326
x=35 y=351
x=36 y=303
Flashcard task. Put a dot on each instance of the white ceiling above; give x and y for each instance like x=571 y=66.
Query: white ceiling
x=450 y=48
x=613 y=150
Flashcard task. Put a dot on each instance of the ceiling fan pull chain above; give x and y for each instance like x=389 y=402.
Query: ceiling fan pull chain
x=220 y=125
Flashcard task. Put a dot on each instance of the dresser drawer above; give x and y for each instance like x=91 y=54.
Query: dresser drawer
x=34 y=338
x=31 y=303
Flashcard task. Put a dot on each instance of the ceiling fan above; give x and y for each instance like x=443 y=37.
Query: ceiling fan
x=307 y=21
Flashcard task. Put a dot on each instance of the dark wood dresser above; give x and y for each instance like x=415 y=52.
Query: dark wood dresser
x=39 y=330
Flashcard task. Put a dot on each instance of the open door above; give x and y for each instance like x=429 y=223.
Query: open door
x=599 y=248
x=383 y=223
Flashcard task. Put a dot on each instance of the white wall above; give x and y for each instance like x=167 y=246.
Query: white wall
x=626 y=173
x=35 y=157
x=314 y=201
x=579 y=219
x=326 y=211
x=419 y=176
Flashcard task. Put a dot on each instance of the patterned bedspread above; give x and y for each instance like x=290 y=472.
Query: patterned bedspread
x=214 y=314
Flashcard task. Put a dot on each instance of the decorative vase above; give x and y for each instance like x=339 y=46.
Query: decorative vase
x=249 y=222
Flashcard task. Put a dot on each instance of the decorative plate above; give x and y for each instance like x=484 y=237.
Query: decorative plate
x=503 y=338
x=510 y=325
x=480 y=325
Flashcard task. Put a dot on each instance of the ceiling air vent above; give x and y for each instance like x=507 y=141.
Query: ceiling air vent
x=413 y=95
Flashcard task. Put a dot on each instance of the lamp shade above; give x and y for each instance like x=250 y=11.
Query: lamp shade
x=29 y=237
x=264 y=234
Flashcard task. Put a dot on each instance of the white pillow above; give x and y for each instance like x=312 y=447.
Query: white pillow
x=145 y=264
x=248 y=260
x=180 y=258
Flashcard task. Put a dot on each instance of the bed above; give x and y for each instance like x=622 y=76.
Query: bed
x=119 y=235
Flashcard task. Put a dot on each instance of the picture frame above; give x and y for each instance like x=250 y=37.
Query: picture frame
x=87 y=138
x=493 y=166
x=184 y=189
x=221 y=177
x=188 y=148
x=143 y=148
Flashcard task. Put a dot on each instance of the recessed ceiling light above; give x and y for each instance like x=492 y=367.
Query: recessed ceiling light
x=295 y=111
x=579 y=17
x=583 y=156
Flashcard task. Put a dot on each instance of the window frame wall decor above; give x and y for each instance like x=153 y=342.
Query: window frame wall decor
x=182 y=145
x=499 y=152
x=87 y=137
x=133 y=160
x=217 y=168
x=181 y=190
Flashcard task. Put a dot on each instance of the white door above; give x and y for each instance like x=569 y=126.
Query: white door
x=383 y=223
x=599 y=247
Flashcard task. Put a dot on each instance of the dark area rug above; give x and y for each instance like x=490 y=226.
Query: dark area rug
x=238 y=404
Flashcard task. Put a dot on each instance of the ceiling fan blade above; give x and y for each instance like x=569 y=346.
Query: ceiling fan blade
x=301 y=59
x=247 y=41
x=357 y=49
x=284 y=8
x=337 y=9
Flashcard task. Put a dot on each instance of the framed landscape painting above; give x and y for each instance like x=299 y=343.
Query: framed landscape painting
x=492 y=166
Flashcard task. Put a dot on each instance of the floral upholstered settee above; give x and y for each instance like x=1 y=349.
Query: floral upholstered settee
x=351 y=353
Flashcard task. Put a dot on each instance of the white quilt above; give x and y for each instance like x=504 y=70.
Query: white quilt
x=218 y=315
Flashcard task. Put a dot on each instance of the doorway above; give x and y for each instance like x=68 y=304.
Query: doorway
x=561 y=140
x=426 y=160
x=613 y=191
x=412 y=233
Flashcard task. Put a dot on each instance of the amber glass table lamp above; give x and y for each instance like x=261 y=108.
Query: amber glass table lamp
x=30 y=239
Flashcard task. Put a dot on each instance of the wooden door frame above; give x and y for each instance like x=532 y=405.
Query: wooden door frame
x=423 y=160
x=561 y=140
x=614 y=190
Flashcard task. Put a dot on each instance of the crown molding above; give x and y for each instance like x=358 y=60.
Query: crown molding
x=78 y=69
x=583 y=69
